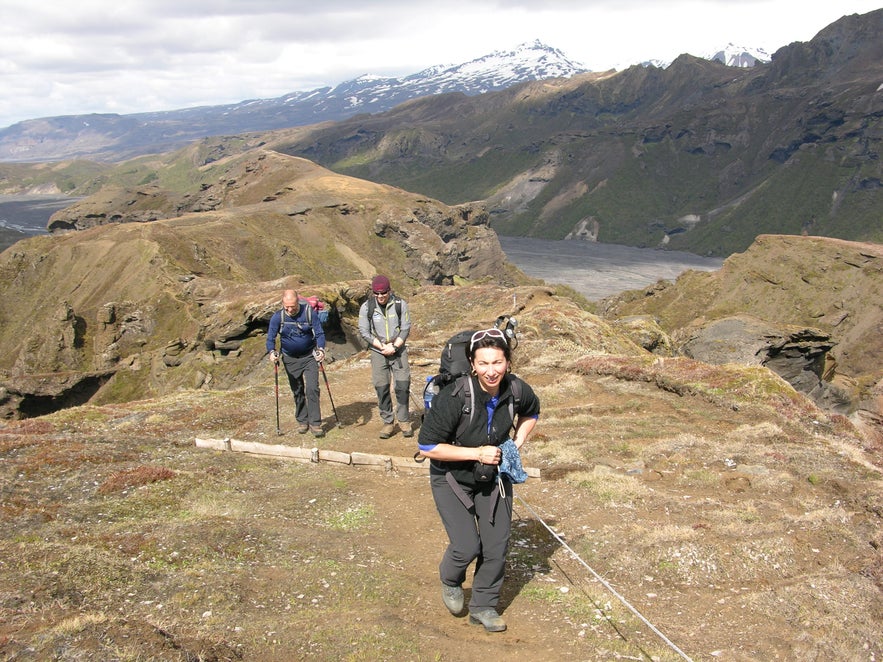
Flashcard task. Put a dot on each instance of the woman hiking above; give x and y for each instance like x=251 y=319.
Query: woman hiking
x=473 y=499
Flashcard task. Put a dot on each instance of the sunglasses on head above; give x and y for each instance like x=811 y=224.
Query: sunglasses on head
x=487 y=333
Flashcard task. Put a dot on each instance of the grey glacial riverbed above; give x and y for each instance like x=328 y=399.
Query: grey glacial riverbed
x=600 y=270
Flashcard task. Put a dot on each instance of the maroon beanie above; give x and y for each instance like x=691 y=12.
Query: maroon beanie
x=380 y=284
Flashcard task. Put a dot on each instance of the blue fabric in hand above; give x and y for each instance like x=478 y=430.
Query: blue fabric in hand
x=510 y=464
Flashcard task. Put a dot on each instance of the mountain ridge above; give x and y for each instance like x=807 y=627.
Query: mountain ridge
x=107 y=136
x=697 y=156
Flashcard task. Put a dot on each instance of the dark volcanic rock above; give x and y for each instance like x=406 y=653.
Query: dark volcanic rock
x=796 y=354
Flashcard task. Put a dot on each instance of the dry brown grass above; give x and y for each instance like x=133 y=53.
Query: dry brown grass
x=135 y=477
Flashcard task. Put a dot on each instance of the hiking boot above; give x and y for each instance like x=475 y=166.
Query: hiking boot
x=317 y=431
x=452 y=596
x=303 y=428
x=387 y=430
x=489 y=618
x=407 y=430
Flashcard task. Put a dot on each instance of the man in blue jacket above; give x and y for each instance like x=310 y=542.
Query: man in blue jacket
x=302 y=345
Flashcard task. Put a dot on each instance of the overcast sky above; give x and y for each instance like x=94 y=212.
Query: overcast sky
x=128 y=56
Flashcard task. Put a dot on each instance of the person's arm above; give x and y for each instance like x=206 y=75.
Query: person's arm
x=440 y=428
x=404 y=327
x=450 y=453
x=272 y=332
x=365 y=328
x=527 y=416
x=523 y=429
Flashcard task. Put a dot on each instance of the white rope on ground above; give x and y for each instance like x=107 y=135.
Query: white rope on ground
x=604 y=582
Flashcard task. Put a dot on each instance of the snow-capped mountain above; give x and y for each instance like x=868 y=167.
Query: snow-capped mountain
x=739 y=56
x=732 y=56
x=75 y=136
x=496 y=71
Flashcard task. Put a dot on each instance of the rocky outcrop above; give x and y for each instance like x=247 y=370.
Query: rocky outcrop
x=806 y=307
x=38 y=394
x=797 y=354
x=644 y=331
x=116 y=205
x=445 y=245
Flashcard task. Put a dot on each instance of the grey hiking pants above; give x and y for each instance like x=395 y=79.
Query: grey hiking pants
x=475 y=533
x=303 y=377
x=395 y=367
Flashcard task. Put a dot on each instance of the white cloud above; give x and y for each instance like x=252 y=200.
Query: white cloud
x=142 y=55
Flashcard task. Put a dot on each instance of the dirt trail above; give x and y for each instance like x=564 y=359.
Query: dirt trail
x=709 y=597
x=540 y=625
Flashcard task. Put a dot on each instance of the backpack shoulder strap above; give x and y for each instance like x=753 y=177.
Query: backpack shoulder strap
x=372 y=304
x=515 y=387
x=515 y=402
x=294 y=318
x=463 y=384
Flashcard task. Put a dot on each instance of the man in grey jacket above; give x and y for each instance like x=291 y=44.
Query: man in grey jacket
x=384 y=323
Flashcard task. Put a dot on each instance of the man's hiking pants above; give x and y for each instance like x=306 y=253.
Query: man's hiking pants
x=396 y=368
x=303 y=377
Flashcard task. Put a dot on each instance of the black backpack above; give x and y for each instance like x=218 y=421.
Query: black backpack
x=454 y=367
x=454 y=363
x=454 y=359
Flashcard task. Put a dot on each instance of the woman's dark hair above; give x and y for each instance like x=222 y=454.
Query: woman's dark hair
x=489 y=341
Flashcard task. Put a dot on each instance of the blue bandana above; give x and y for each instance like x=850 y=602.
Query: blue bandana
x=510 y=464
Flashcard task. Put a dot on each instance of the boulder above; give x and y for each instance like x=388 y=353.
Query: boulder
x=797 y=354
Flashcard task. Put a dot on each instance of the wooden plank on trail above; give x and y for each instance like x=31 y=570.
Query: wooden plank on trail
x=410 y=464
x=214 y=444
x=334 y=456
x=294 y=452
x=370 y=460
x=253 y=447
x=315 y=455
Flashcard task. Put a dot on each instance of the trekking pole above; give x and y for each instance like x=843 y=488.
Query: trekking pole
x=276 y=379
x=328 y=386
